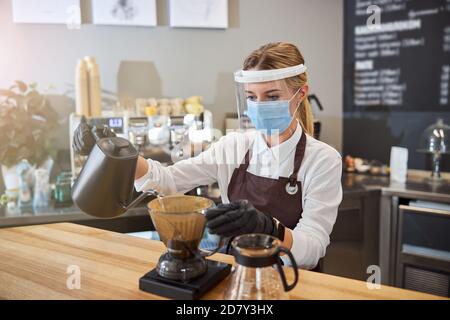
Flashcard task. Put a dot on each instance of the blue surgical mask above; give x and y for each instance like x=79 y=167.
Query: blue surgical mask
x=273 y=117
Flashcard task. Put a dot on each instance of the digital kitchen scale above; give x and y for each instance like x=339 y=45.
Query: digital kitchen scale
x=190 y=290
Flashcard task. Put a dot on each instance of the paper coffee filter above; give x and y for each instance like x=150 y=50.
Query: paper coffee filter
x=185 y=227
x=179 y=217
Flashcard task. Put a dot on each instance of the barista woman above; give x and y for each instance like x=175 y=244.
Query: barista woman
x=277 y=179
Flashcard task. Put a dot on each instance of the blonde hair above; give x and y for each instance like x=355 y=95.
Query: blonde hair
x=277 y=55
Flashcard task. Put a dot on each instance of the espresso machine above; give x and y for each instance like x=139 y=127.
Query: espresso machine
x=164 y=138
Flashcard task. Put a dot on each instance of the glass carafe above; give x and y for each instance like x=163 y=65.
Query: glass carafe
x=258 y=274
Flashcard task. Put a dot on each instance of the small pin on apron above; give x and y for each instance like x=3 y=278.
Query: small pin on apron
x=291 y=189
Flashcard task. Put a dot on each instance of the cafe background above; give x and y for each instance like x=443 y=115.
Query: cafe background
x=161 y=61
x=166 y=62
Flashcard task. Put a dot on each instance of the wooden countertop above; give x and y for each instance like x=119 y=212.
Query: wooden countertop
x=34 y=262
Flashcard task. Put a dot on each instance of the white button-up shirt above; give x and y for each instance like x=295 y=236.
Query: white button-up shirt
x=320 y=175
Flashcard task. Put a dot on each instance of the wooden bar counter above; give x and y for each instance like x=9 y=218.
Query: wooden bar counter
x=35 y=261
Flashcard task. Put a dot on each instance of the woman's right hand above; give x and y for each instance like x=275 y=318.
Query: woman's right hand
x=85 y=137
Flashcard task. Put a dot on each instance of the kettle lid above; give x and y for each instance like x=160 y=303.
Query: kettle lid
x=117 y=147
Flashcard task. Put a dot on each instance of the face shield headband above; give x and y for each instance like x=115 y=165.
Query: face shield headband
x=253 y=76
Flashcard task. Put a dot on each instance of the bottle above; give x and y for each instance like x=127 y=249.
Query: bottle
x=95 y=98
x=25 y=194
x=81 y=89
x=41 y=189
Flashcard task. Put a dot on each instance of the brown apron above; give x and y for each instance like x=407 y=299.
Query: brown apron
x=281 y=198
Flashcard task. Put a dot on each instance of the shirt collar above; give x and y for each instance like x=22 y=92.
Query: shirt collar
x=282 y=150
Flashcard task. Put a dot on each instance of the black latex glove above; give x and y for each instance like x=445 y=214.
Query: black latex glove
x=240 y=217
x=102 y=132
x=85 y=137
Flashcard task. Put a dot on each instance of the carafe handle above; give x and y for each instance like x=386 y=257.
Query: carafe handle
x=287 y=287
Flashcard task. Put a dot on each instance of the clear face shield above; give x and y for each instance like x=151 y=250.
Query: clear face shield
x=264 y=99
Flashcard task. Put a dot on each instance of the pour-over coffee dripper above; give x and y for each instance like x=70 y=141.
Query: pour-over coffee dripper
x=180 y=223
x=182 y=271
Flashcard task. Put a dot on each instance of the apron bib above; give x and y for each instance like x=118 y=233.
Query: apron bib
x=281 y=198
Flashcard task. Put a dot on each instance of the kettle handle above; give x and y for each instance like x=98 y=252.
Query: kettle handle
x=287 y=287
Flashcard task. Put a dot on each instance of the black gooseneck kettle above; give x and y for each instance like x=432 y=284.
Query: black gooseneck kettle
x=104 y=188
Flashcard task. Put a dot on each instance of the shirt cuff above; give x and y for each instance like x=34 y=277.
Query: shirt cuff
x=302 y=255
x=296 y=250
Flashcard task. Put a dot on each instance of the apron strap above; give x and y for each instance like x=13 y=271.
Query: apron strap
x=244 y=165
x=299 y=154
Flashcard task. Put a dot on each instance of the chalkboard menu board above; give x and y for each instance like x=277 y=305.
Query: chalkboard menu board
x=396 y=75
x=400 y=62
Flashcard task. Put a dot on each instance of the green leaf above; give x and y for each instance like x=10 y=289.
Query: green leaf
x=4 y=199
x=32 y=94
x=27 y=122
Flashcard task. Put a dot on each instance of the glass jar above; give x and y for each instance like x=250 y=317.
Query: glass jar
x=63 y=188
x=259 y=274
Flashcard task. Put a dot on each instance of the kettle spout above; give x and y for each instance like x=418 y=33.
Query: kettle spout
x=145 y=194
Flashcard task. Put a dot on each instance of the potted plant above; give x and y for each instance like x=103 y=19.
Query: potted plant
x=27 y=123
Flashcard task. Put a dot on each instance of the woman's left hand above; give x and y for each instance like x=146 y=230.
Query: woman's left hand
x=240 y=217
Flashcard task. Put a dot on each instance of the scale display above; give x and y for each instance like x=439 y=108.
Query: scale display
x=115 y=122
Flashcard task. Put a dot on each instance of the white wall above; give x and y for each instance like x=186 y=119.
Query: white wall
x=170 y=62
